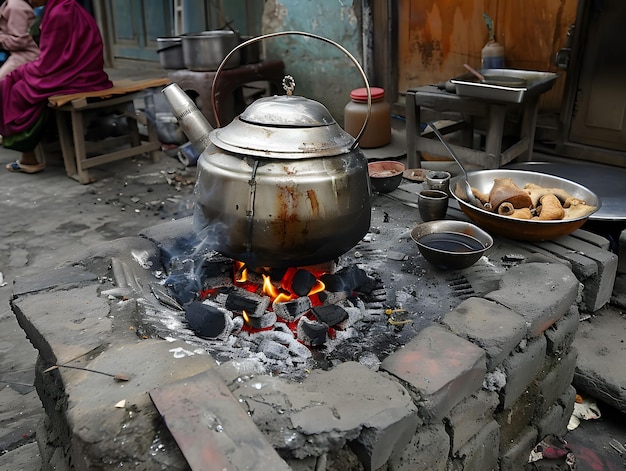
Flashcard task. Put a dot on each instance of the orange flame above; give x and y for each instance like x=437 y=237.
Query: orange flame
x=318 y=288
x=270 y=290
x=245 y=316
x=241 y=272
x=280 y=293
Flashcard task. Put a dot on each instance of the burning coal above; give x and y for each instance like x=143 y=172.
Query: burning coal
x=281 y=316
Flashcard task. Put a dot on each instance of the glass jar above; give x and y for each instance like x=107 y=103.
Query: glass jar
x=378 y=130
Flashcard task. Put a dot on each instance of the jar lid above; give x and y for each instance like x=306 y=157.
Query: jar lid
x=360 y=94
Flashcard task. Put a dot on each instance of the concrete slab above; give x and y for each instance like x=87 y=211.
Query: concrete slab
x=600 y=370
x=48 y=219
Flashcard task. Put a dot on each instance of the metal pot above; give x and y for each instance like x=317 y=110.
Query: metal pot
x=206 y=51
x=282 y=185
x=252 y=53
x=170 y=50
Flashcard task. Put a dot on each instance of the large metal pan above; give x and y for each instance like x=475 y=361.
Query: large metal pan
x=501 y=80
x=520 y=229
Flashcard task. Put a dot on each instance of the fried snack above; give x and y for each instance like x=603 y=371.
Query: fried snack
x=536 y=192
x=532 y=201
x=549 y=208
x=505 y=189
x=482 y=197
x=507 y=209
x=573 y=201
x=578 y=210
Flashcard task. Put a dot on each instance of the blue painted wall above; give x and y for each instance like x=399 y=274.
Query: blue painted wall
x=322 y=72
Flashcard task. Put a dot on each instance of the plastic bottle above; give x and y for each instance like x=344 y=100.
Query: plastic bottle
x=492 y=55
x=378 y=130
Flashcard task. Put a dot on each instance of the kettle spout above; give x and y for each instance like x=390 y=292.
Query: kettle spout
x=191 y=120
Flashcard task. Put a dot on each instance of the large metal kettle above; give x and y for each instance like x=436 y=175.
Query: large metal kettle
x=282 y=184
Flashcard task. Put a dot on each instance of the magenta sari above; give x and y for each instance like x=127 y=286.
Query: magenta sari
x=71 y=61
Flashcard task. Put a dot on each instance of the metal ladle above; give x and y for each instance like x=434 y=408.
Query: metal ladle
x=467 y=189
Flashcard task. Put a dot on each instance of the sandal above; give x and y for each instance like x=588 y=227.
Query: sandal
x=24 y=168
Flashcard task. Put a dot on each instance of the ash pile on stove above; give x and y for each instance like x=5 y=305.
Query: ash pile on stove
x=375 y=298
x=309 y=318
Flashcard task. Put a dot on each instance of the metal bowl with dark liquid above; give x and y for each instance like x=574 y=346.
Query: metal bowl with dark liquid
x=523 y=229
x=449 y=244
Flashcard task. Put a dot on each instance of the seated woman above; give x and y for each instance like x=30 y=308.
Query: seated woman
x=70 y=61
x=16 y=17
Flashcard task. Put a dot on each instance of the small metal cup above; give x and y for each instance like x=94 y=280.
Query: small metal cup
x=438 y=180
x=433 y=204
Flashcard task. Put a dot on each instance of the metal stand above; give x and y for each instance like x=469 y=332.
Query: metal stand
x=444 y=103
x=200 y=83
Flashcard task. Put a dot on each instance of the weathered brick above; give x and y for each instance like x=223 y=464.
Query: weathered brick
x=491 y=326
x=540 y=292
x=440 y=367
x=481 y=452
x=469 y=416
x=596 y=240
x=592 y=263
x=515 y=456
x=567 y=401
x=44 y=280
x=599 y=371
x=520 y=415
x=558 y=379
x=211 y=427
x=562 y=333
x=375 y=445
x=369 y=408
x=556 y=418
x=598 y=290
x=582 y=266
x=428 y=449
x=521 y=368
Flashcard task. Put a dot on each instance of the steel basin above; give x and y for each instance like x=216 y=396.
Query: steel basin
x=520 y=229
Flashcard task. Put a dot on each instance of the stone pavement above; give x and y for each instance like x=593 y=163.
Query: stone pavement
x=46 y=218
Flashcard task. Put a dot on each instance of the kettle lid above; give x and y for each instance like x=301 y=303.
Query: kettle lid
x=286 y=127
x=287 y=110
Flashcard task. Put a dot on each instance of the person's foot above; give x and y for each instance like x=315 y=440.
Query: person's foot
x=20 y=167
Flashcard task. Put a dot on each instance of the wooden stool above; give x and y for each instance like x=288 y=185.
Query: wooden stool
x=75 y=112
x=230 y=80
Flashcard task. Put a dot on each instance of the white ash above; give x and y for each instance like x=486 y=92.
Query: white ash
x=494 y=380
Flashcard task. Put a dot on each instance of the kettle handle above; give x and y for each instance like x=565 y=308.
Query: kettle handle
x=300 y=33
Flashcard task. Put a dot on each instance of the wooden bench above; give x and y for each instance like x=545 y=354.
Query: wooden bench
x=75 y=112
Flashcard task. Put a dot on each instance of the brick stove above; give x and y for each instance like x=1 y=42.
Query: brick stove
x=478 y=376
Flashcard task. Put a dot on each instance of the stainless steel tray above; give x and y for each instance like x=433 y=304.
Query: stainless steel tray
x=536 y=84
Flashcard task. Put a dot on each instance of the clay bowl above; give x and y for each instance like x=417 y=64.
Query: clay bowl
x=520 y=229
x=449 y=244
x=385 y=175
